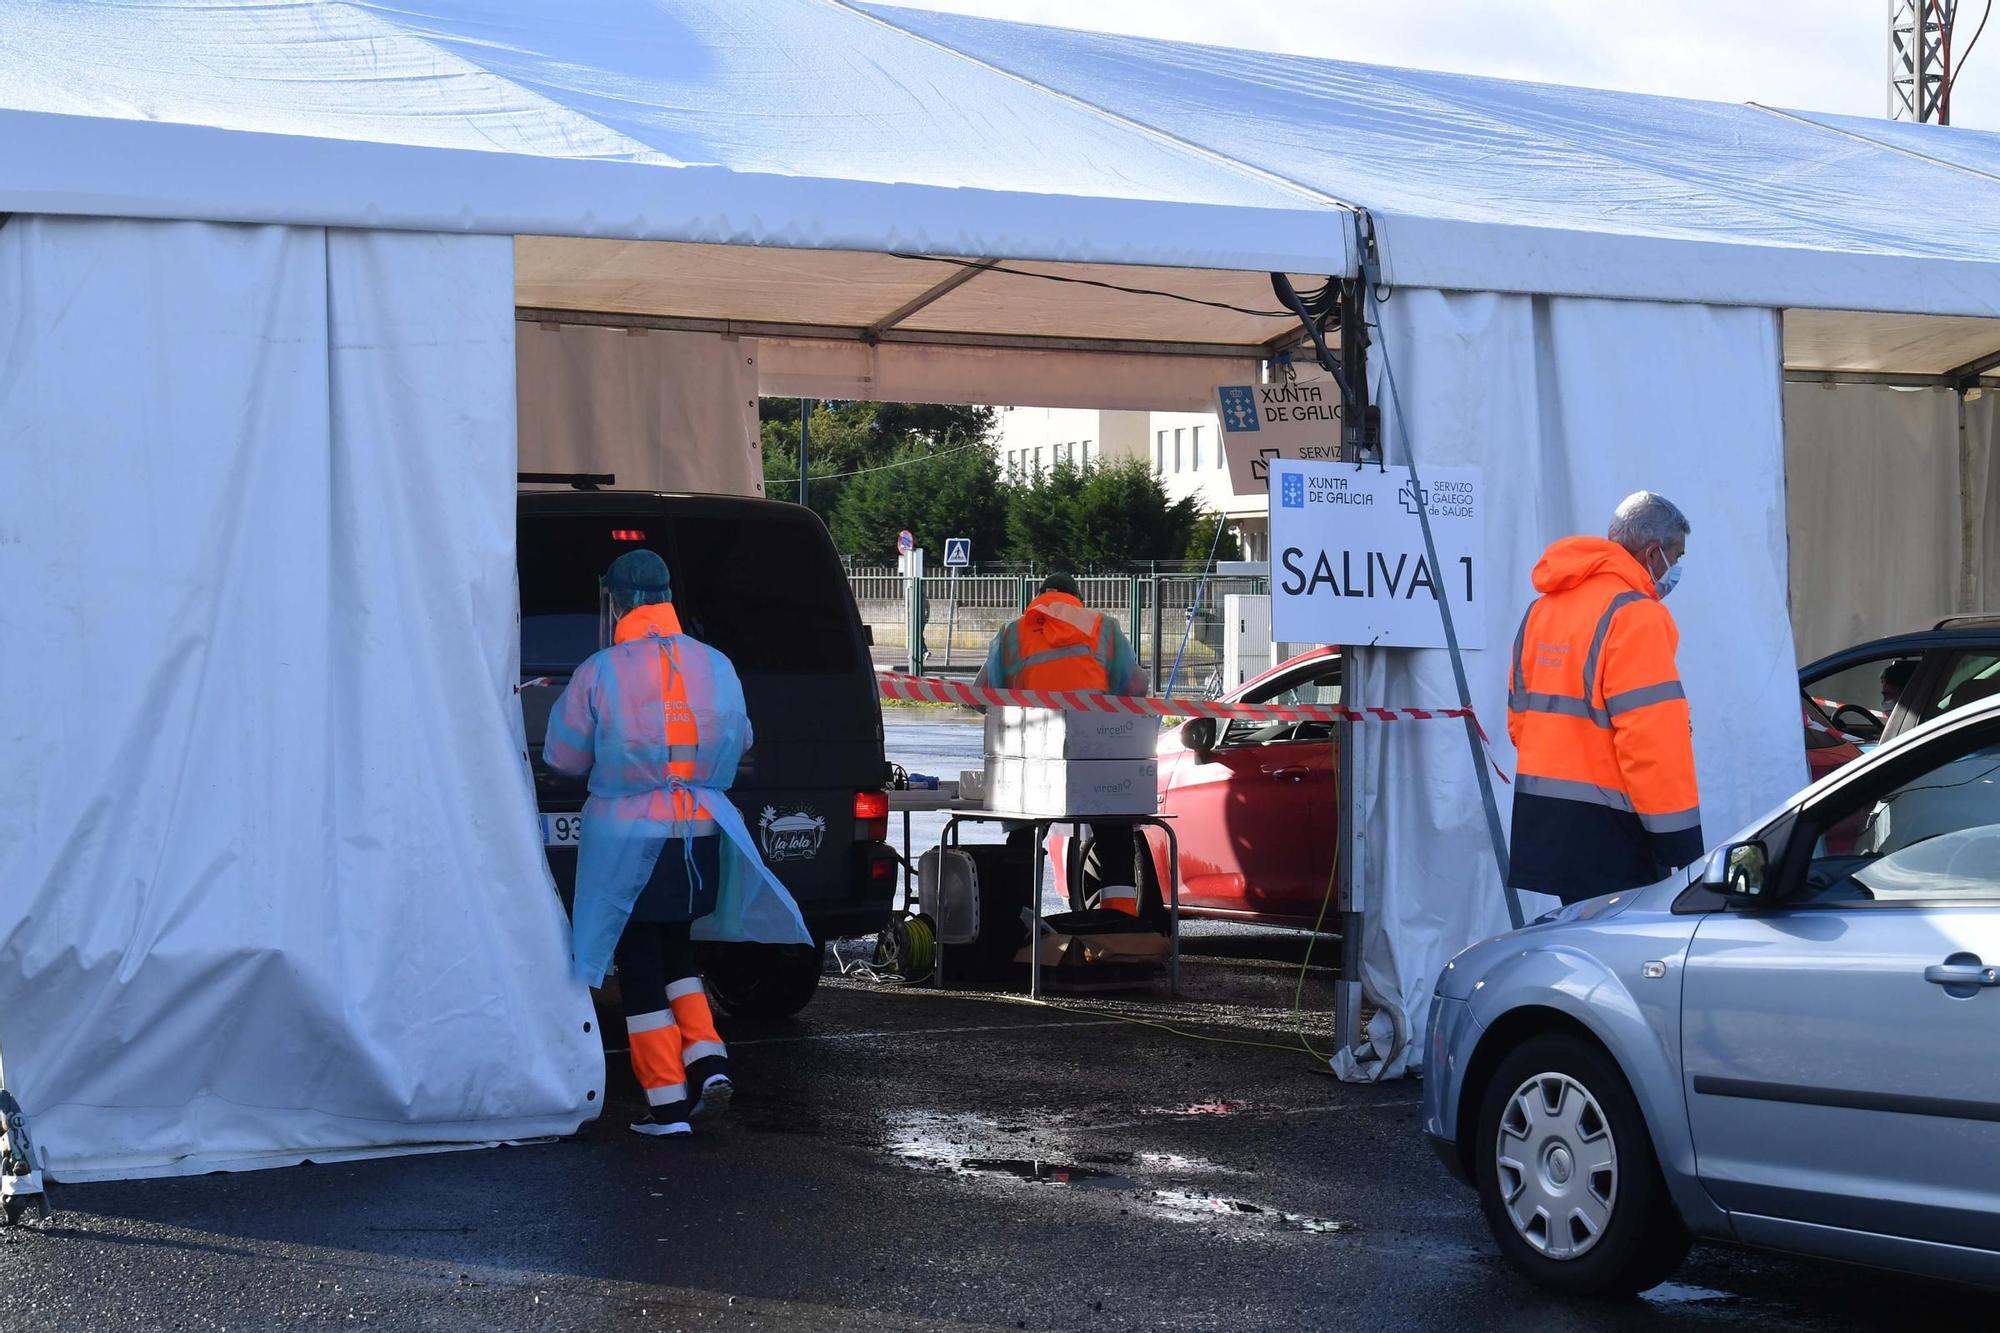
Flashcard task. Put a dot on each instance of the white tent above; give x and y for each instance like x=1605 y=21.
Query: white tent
x=260 y=446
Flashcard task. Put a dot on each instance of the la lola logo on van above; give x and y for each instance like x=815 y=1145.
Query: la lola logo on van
x=794 y=835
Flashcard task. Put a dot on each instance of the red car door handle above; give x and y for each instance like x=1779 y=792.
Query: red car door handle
x=1290 y=774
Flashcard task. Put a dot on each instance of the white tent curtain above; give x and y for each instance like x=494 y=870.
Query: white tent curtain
x=1894 y=512
x=273 y=889
x=659 y=411
x=1568 y=405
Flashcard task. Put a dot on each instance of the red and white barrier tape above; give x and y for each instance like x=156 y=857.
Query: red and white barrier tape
x=931 y=689
x=1833 y=707
x=1837 y=733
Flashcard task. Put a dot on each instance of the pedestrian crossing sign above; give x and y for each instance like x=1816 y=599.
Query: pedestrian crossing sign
x=957 y=552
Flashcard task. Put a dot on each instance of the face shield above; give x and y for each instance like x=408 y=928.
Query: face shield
x=607 y=617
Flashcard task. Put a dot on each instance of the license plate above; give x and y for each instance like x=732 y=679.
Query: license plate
x=562 y=830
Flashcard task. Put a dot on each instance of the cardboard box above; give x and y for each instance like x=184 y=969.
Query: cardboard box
x=1051 y=787
x=1050 y=733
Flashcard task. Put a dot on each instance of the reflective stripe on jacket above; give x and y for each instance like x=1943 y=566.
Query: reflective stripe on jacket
x=1605 y=795
x=1058 y=645
x=659 y=724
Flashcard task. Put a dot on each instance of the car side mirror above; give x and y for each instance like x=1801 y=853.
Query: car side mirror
x=1745 y=874
x=1199 y=735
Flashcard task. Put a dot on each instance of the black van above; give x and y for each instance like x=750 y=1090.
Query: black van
x=760 y=581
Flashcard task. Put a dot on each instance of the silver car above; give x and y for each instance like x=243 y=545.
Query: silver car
x=1794 y=1044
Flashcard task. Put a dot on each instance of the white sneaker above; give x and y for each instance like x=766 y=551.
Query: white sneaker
x=653 y=1126
x=716 y=1092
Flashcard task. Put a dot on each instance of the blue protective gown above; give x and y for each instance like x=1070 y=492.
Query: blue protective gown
x=610 y=723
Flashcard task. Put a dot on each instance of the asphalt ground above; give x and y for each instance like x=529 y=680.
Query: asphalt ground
x=908 y=1159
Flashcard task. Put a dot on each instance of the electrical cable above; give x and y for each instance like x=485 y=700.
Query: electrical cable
x=1298 y=992
x=1105 y=286
x=1201 y=589
x=868 y=972
x=1966 y=54
x=902 y=462
x=1288 y=1048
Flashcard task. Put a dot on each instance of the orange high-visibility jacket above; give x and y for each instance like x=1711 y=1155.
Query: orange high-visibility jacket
x=1058 y=645
x=1605 y=796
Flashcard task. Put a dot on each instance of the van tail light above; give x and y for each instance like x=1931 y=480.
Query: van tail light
x=881 y=868
x=871 y=816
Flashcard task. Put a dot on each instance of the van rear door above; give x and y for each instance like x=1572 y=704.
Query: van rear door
x=760 y=581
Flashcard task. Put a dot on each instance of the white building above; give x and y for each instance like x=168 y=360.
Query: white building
x=1184 y=450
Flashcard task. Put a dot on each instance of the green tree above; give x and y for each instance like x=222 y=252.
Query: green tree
x=1123 y=516
x=781 y=480
x=843 y=442
x=935 y=493
x=1203 y=542
x=850 y=440
x=938 y=424
x=1100 y=516
x=1043 y=519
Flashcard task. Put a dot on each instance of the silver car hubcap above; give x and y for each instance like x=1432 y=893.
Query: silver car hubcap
x=1558 y=1166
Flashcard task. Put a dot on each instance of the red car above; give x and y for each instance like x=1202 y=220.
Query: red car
x=1254 y=803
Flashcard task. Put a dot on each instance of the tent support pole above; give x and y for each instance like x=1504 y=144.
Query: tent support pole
x=847 y=333
x=805 y=448
x=1347 y=991
x=873 y=333
x=1973 y=465
x=1371 y=277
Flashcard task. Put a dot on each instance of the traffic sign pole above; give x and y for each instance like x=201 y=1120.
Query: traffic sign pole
x=957 y=555
x=951 y=618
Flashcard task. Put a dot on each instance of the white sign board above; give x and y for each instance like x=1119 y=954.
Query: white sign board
x=1347 y=555
x=1262 y=423
x=957 y=552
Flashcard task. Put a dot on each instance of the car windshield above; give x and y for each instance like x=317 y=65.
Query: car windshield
x=765 y=590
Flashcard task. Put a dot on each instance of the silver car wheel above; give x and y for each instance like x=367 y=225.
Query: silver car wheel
x=1557 y=1166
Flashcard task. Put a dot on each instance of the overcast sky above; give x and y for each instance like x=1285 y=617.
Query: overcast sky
x=1817 y=55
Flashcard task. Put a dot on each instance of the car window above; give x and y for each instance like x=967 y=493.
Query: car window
x=1316 y=686
x=1928 y=833
x=1822 y=732
x=1857 y=700
x=1969 y=678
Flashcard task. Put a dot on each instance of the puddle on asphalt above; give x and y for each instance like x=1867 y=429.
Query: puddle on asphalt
x=1223 y=1107
x=1678 y=1293
x=1038 y=1172
x=1184 y=1205
x=962 y=1146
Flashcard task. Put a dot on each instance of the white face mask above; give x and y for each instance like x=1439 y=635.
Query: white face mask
x=1665 y=581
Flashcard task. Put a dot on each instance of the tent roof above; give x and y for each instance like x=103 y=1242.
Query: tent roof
x=863 y=148
x=1489 y=184
x=751 y=122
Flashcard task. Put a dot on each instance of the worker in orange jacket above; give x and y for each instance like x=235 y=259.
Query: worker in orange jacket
x=1605 y=795
x=1058 y=644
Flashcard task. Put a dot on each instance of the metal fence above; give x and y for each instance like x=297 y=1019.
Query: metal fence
x=1153 y=608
